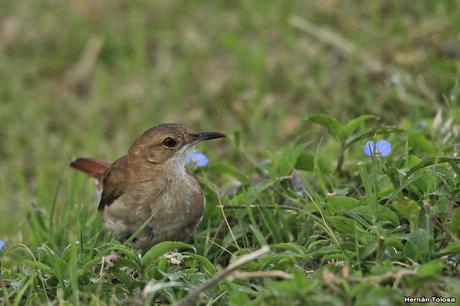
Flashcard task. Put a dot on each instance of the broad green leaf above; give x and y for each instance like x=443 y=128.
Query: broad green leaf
x=237 y=137
x=432 y=268
x=289 y=246
x=384 y=186
x=305 y=162
x=368 y=183
x=320 y=252
x=387 y=214
x=426 y=183
x=429 y=162
x=319 y=245
x=345 y=225
x=418 y=245
x=236 y=297
x=394 y=242
x=409 y=210
x=413 y=174
x=227 y=169
x=287 y=161
x=381 y=213
x=333 y=126
x=451 y=248
x=276 y=261
x=251 y=193
x=352 y=125
x=455 y=167
x=455 y=222
x=320 y=173
x=300 y=279
x=212 y=200
x=360 y=219
x=203 y=261
x=419 y=142
x=369 y=249
x=335 y=203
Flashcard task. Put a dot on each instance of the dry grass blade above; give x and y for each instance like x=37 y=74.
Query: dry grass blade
x=83 y=69
x=334 y=39
x=372 y=63
x=260 y=274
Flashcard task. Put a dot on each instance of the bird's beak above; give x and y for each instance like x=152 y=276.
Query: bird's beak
x=205 y=136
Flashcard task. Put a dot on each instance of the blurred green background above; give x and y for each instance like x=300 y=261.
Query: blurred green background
x=85 y=77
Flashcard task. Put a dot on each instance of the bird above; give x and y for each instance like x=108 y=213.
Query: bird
x=150 y=187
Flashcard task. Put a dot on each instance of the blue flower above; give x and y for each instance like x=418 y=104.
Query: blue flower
x=380 y=149
x=2 y=245
x=197 y=159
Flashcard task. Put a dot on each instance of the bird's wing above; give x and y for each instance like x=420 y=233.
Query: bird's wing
x=91 y=166
x=114 y=182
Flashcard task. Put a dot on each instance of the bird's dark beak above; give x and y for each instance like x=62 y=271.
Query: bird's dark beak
x=206 y=136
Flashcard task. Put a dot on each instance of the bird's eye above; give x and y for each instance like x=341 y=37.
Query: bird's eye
x=169 y=142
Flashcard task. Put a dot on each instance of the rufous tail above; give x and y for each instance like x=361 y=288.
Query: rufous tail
x=91 y=166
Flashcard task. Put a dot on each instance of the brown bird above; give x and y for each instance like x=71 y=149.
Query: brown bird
x=151 y=185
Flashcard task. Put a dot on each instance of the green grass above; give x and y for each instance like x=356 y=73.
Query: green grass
x=369 y=233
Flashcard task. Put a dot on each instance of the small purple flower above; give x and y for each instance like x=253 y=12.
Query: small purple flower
x=197 y=159
x=2 y=245
x=380 y=149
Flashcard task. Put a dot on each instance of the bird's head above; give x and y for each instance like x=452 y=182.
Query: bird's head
x=168 y=144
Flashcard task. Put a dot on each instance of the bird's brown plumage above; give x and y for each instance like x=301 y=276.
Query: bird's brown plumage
x=115 y=181
x=151 y=183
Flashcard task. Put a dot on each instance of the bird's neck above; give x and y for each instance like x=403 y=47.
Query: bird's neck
x=176 y=166
x=173 y=168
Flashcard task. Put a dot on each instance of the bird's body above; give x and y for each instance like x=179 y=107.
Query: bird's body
x=151 y=183
x=174 y=203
